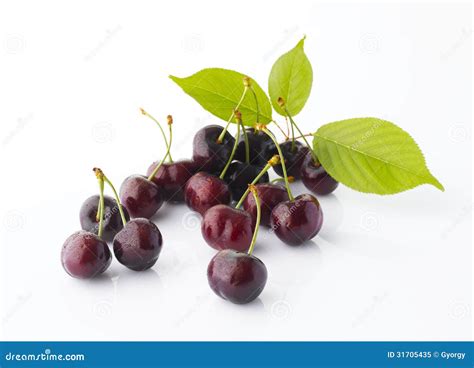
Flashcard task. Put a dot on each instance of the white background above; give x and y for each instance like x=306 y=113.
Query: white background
x=72 y=78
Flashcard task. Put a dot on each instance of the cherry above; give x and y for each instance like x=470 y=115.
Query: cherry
x=270 y=195
x=208 y=153
x=239 y=175
x=298 y=220
x=172 y=177
x=85 y=255
x=203 y=191
x=261 y=147
x=237 y=277
x=224 y=227
x=138 y=244
x=88 y=216
x=140 y=196
x=233 y=275
x=316 y=178
x=293 y=158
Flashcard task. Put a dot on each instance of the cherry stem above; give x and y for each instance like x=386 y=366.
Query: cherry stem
x=152 y=175
x=282 y=159
x=117 y=199
x=257 y=221
x=287 y=128
x=100 y=179
x=246 y=142
x=170 y=127
x=305 y=135
x=291 y=179
x=275 y=160
x=280 y=128
x=161 y=128
x=234 y=149
x=221 y=136
x=292 y=136
x=256 y=103
x=315 y=159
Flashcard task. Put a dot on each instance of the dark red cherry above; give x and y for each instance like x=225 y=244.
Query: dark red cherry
x=270 y=195
x=224 y=227
x=239 y=175
x=236 y=276
x=208 y=154
x=293 y=159
x=112 y=223
x=315 y=178
x=140 y=196
x=204 y=191
x=85 y=255
x=138 y=244
x=261 y=147
x=172 y=177
x=297 y=221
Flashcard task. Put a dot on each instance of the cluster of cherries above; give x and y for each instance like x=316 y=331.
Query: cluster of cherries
x=223 y=170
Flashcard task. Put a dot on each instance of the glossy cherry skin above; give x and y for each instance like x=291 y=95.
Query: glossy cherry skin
x=204 y=191
x=85 y=255
x=269 y=195
x=171 y=178
x=236 y=276
x=315 y=177
x=112 y=222
x=261 y=147
x=209 y=155
x=298 y=221
x=224 y=227
x=240 y=175
x=293 y=159
x=140 y=196
x=138 y=244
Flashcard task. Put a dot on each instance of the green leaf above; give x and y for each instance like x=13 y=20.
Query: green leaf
x=291 y=78
x=372 y=156
x=220 y=90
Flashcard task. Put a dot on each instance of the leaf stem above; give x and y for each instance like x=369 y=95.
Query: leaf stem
x=275 y=160
x=159 y=126
x=257 y=221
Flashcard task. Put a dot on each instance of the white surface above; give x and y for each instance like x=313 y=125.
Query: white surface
x=383 y=268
